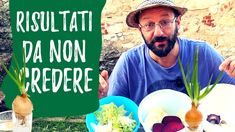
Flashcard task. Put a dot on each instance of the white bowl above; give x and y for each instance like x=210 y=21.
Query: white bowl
x=172 y=102
x=6 y=121
x=219 y=101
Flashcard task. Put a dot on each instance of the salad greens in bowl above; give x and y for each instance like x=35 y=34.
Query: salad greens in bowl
x=116 y=113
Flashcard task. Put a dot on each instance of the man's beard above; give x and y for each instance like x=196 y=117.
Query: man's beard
x=162 y=51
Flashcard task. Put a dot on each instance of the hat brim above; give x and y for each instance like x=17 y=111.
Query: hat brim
x=131 y=17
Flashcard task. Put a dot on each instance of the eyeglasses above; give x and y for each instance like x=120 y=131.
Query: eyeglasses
x=163 y=24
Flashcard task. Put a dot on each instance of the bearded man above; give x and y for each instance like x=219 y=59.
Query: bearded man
x=154 y=65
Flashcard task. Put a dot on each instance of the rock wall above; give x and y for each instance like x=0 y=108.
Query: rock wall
x=5 y=46
x=212 y=21
x=5 y=37
x=209 y=20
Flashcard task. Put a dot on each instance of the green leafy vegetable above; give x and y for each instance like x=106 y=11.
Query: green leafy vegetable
x=192 y=86
x=110 y=113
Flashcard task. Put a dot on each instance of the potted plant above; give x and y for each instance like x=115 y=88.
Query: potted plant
x=194 y=117
x=22 y=106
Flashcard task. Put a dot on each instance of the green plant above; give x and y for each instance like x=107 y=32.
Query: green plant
x=18 y=75
x=194 y=117
x=192 y=85
x=22 y=105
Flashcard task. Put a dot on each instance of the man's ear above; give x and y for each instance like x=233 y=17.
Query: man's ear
x=178 y=20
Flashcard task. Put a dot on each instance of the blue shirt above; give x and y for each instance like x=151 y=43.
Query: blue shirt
x=136 y=74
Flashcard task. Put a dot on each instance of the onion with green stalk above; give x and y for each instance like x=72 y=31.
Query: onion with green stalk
x=22 y=105
x=194 y=117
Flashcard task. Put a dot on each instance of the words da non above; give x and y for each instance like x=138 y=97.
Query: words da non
x=56 y=78
x=61 y=51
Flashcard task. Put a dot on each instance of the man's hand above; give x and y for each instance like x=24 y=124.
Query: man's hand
x=103 y=84
x=228 y=66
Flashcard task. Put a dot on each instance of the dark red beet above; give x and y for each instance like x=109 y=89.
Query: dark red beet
x=157 y=127
x=173 y=127
x=168 y=119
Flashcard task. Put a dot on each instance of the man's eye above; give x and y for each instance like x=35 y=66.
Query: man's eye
x=164 y=22
x=151 y=24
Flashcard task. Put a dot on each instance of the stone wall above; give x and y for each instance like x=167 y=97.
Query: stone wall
x=5 y=45
x=5 y=37
x=209 y=20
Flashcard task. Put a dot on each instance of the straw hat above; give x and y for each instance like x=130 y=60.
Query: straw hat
x=146 y=4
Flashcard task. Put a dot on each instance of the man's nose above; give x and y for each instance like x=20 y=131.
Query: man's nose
x=158 y=30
